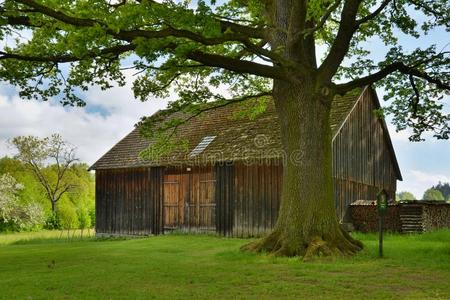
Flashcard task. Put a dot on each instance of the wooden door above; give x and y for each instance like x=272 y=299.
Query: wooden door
x=189 y=199
x=175 y=192
x=202 y=206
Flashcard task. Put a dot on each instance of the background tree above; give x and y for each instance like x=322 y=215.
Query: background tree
x=15 y=215
x=402 y=196
x=253 y=49
x=36 y=154
x=444 y=188
x=433 y=194
x=69 y=218
x=32 y=190
x=31 y=197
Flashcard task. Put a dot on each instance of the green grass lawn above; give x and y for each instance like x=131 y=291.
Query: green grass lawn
x=207 y=267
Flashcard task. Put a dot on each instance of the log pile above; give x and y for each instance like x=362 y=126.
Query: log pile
x=436 y=216
x=399 y=217
x=365 y=217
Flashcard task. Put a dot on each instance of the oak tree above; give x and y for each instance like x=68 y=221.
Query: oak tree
x=251 y=49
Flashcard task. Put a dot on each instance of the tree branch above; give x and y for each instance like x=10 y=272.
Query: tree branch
x=323 y=20
x=374 y=14
x=427 y=8
x=238 y=31
x=59 y=194
x=394 y=67
x=414 y=100
x=342 y=41
x=115 y=50
x=80 y=22
x=348 y=26
x=236 y=65
x=37 y=172
x=213 y=60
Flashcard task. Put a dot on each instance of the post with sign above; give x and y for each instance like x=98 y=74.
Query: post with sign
x=382 y=207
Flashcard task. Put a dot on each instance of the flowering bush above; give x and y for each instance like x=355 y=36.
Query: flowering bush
x=33 y=216
x=13 y=214
x=8 y=197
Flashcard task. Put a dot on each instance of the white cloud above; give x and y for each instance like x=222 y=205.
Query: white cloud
x=92 y=132
x=430 y=178
x=417 y=181
x=398 y=136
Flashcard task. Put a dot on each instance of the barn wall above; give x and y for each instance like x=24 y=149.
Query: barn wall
x=224 y=198
x=362 y=161
x=128 y=201
x=256 y=197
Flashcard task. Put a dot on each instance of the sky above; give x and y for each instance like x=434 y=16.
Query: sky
x=110 y=115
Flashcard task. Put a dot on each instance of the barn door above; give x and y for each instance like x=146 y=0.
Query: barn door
x=189 y=199
x=175 y=192
x=202 y=206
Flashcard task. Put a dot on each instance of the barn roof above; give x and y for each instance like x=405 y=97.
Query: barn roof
x=234 y=138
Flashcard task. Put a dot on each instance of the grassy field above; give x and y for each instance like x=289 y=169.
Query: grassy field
x=44 y=266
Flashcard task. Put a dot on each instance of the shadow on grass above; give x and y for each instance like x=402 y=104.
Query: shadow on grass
x=65 y=239
x=52 y=240
x=45 y=236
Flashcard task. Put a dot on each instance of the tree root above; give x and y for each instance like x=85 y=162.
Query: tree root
x=340 y=244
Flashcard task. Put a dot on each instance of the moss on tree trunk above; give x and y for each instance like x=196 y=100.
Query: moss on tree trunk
x=307 y=224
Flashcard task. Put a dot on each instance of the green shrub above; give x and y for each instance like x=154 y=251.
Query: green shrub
x=52 y=222
x=93 y=219
x=84 y=219
x=68 y=217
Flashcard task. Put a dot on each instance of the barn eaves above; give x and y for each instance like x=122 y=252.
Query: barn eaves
x=202 y=145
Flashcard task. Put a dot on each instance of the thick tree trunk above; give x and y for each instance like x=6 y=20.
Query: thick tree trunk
x=307 y=224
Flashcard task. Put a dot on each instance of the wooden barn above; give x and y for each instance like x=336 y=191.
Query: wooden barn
x=229 y=179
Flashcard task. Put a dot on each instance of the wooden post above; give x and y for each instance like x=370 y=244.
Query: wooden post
x=382 y=207
x=380 y=239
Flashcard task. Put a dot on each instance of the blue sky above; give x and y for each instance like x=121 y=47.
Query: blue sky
x=423 y=164
x=110 y=115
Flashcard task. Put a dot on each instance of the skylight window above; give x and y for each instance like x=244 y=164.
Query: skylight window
x=202 y=145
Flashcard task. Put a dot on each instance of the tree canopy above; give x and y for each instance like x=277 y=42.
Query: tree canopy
x=402 y=196
x=200 y=48
x=433 y=194
x=444 y=188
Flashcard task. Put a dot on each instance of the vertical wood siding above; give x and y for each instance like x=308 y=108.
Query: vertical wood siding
x=362 y=161
x=128 y=201
x=225 y=199
x=256 y=195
